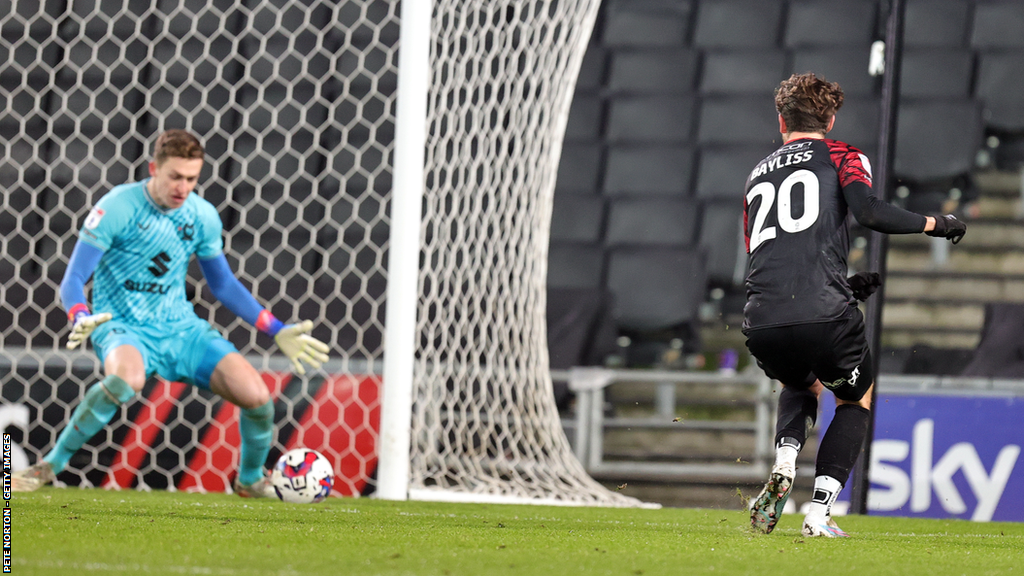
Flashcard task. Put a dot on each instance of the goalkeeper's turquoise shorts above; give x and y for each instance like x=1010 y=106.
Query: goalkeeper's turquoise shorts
x=186 y=351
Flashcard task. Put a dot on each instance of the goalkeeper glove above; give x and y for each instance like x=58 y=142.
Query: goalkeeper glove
x=948 y=227
x=296 y=343
x=83 y=327
x=864 y=284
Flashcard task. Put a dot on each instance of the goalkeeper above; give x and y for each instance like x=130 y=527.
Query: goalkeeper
x=136 y=243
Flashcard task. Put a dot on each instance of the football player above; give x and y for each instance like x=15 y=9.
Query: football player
x=136 y=244
x=801 y=318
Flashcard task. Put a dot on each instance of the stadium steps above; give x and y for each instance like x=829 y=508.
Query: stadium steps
x=943 y=304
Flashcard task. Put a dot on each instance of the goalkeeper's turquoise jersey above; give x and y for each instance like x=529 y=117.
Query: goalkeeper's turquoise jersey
x=141 y=276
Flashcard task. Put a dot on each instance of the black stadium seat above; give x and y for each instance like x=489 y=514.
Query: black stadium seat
x=936 y=139
x=848 y=66
x=647 y=170
x=577 y=218
x=721 y=233
x=651 y=119
x=577 y=266
x=738 y=120
x=584 y=118
x=653 y=71
x=742 y=72
x=857 y=123
x=592 y=70
x=646 y=24
x=651 y=222
x=998 y=25
x=936 y=23
x=936 y=73
x=736 y=24
x=831 y=23
x=723 y=171
x=999 y=87
x=578 y=168
x=656 y=288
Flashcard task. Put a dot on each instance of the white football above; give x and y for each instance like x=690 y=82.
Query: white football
x=302 y=476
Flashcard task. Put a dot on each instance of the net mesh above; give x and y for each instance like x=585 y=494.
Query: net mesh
x=295 y=102
x=484 y=418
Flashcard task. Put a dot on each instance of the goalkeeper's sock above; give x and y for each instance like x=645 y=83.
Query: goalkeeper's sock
x=98 y=406
x=256 y=427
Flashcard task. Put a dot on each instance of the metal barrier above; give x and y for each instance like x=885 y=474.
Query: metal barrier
x=590 y=425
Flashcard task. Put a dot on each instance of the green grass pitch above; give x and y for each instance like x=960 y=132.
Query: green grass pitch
x=72 y=531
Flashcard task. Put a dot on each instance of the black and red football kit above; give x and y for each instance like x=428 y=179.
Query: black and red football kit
x=796 y=203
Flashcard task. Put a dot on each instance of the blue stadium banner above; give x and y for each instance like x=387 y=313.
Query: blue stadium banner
x=945 y=456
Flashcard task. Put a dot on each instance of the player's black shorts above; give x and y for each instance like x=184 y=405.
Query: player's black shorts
x=834 y=352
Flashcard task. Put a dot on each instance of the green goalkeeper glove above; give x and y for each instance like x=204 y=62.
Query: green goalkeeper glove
x=296 y=343
x=83 y=327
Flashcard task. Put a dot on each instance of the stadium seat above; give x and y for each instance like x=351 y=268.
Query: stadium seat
x=580 y=330
x=937 y=139
x=651 y=222
x=721 y=237
x=635 y=170
x=742 y=72
x=592 y=70
x=584 y=118
x=848 y=66
x=573 y=265
x=999 y=85
x=655 y=288
x=738 y=120
x=577 y=218
x=998 y=25
x=857 y=123
x=653 y=71
x=722 y=171
x=936 y=73
x=736 y=24
x=936 y=23
x=579 y=168
x=651 y=119
x=646 y=24
x=831 y=23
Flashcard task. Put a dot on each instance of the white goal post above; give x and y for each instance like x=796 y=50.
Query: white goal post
x=400 y=198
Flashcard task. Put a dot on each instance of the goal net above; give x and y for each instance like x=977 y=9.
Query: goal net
x=295 y=102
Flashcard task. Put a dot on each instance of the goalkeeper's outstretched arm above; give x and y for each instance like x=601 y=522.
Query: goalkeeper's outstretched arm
x=293 y=339
x=84 y=260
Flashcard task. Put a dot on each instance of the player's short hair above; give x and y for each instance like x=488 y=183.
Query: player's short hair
x=177 y=144
x=807 y=103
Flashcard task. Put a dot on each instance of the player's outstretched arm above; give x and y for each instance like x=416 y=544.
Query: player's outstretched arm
x=872 y=213
x=82 y=264
x=293 y=339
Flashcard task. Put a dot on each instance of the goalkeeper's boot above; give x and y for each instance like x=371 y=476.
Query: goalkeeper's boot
x=33 y=478
x=768 y=506
x=817 y=525
x=261 y=488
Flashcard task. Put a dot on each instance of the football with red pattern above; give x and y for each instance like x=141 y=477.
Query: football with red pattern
x=302 y=476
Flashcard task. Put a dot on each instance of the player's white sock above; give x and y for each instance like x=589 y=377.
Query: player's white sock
x=785 y=457
x=826 y=490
